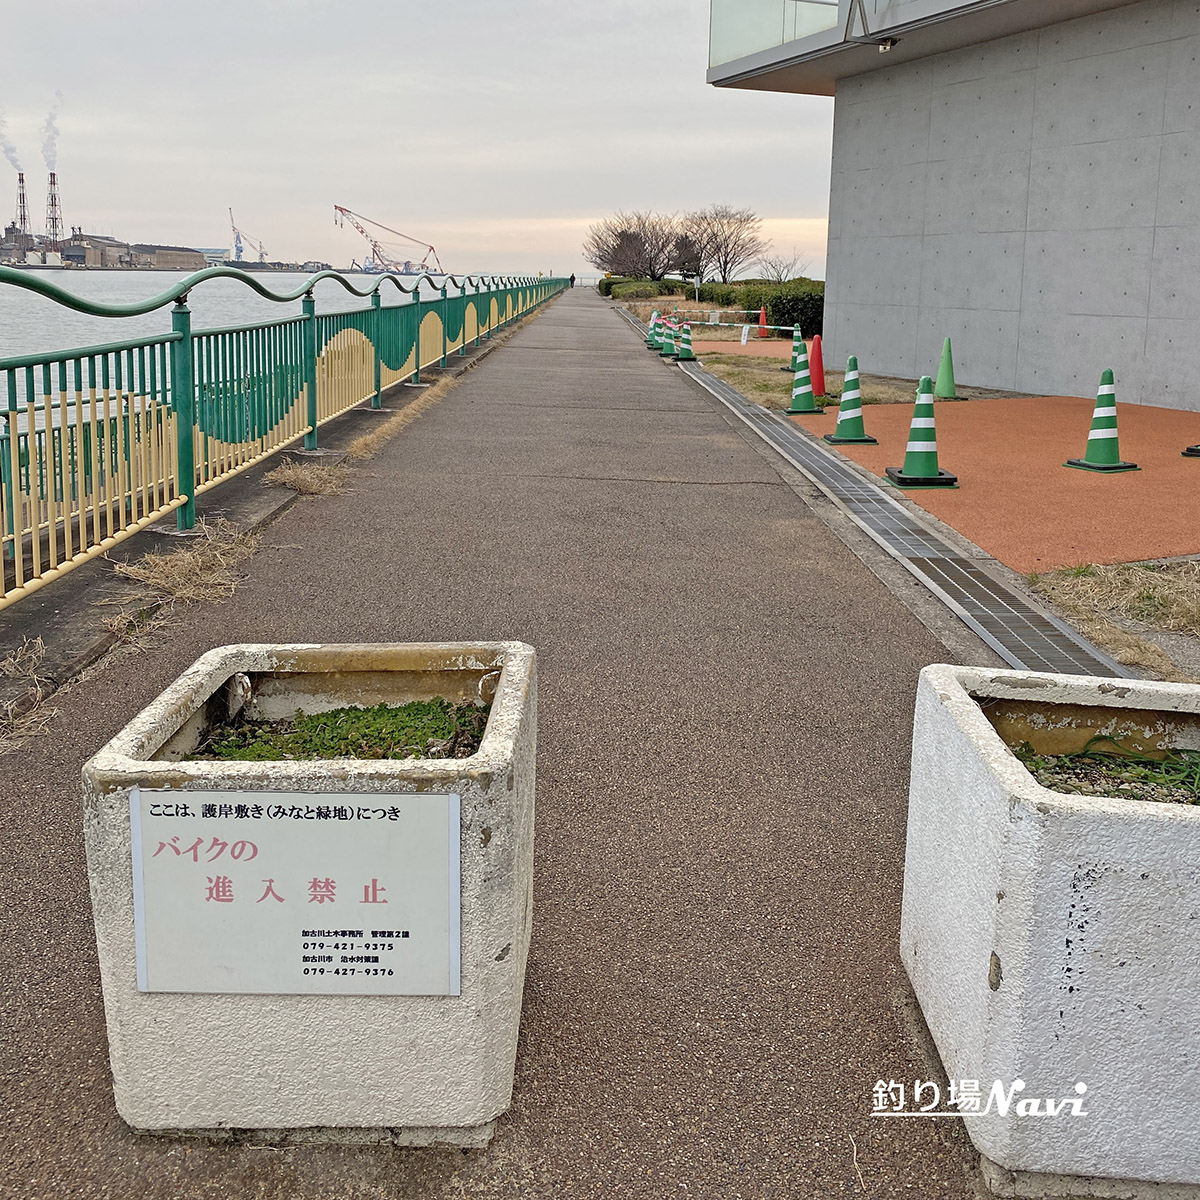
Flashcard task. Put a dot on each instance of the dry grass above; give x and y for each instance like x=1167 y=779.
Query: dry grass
x=27 y=714
x=762 y=381
x=308 y=479
x=367 y=445
x=1156 y=596
x=205 y=568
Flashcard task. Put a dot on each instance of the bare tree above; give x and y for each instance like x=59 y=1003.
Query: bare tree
x=641 y=244
x=779 y=268
x=731 y=237
x=659 y=233
x=612 y=245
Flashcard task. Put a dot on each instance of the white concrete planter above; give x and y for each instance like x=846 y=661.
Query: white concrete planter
x=1055 y=939
x=415 y=1068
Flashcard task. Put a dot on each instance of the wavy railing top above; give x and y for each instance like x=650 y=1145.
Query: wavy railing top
x=31 y=281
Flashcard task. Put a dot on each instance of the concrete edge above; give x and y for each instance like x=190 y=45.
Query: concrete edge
x=473 y=1137
x=1034 y=1185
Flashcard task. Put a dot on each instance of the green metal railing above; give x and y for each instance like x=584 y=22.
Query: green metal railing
x=98 y=442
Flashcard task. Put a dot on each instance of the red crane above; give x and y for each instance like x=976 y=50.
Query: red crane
x=383 y=254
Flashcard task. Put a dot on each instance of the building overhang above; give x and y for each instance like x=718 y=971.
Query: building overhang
x=909 y=30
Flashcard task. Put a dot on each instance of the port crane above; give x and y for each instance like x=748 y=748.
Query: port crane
x=239 y=237
x=387 y=256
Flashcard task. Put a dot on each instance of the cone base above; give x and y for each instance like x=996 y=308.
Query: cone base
x=897 y=477
x=1082 y=464
x=865 y=440
x=686 y=357
x=802 y=412
x=1190 y=452
x=939 y=396
x=789 y=370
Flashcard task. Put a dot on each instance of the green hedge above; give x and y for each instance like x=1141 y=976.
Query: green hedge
x=606 y=285
x=798 y=302
x=802 y=305
x=644 y=289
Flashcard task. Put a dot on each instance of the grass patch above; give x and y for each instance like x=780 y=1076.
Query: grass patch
x=308 y=479
x=1159 y=596
x=1097 y=770
x=204 y=568
x=1162 y=595
x=420 y=729
x=27 y=715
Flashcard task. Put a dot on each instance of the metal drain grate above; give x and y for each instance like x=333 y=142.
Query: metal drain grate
x=1024 y=636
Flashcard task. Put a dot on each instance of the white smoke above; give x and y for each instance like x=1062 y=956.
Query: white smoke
x=6 y=147
x=50 y=134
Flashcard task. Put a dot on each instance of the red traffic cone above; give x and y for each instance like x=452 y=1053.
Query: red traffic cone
x=816 y=367
x=762 y=323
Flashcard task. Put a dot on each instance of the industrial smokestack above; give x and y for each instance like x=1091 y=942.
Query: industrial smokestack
x=22 y=206
x=54 y=221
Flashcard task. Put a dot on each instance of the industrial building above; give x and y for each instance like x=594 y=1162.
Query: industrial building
x=1022 y=176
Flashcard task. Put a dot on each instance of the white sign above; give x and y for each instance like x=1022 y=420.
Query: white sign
x=745 y=334
x=296 y=893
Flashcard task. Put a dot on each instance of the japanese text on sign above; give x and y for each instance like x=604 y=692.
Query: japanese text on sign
x=226 y=887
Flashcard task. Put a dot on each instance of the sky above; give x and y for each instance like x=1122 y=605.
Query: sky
x=497 y=130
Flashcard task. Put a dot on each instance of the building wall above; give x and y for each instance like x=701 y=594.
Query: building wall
x=1037 y=200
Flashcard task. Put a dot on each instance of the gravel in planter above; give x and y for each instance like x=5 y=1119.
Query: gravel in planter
x=1172 y=779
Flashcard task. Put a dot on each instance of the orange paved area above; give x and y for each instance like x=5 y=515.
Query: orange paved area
x=754 y=348
x=1017 y=500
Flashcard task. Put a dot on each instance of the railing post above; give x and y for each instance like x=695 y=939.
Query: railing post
x=310 y=369
x=416 y=299
x=462 y=333
x=445 y=323
x=377 y=334
x=183 y=396
x=491 y=295
x=477 y=321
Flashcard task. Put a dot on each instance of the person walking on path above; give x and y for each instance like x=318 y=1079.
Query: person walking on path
x=572 y=278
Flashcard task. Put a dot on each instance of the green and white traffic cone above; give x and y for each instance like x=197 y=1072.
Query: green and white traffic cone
x=685 y=343
x=921 y=468
x=798 y=348
x=652 y=342
x=850 y=417
x=802 y=392
x=944 y=388
x=669 y=349
x=1103 y=453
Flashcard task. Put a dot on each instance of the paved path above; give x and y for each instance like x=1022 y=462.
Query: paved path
x=725 y=700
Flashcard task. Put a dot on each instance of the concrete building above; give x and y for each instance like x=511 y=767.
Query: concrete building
x=167 y=258
x=95 y=250
x=1022 y=176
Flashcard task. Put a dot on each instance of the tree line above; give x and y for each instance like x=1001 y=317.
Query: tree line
x=716 y=242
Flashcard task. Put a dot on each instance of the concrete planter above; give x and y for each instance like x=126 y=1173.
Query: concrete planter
x=1055 y=939
x=409 y=1068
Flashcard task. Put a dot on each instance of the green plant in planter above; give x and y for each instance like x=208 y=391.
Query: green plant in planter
x=1125 y=774
x=434 y=728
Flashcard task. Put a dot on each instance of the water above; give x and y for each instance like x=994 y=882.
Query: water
x=31 y=324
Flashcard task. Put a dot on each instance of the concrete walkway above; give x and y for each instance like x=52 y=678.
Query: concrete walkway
x=726 y=691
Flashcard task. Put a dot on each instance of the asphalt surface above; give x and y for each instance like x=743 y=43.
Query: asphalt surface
x=725 y=701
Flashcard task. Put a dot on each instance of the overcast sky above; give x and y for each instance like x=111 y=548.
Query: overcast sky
x=495 y=129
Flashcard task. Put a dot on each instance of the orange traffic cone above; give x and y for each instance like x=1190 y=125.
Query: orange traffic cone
x=816 y=367
x=762 y=323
